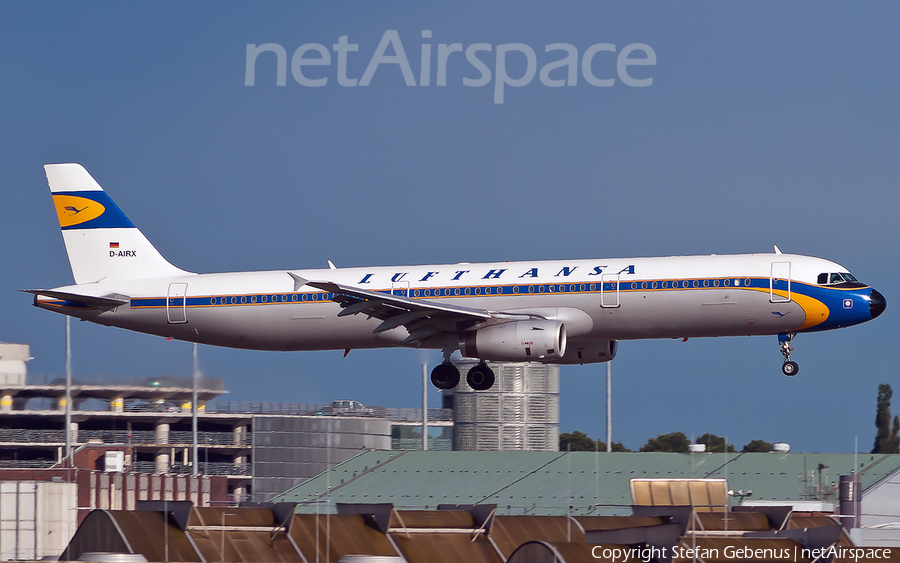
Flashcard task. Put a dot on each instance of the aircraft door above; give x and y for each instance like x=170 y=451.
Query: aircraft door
x=609 y=290
x=780 y=279
x=400 y=288
x=175 y=303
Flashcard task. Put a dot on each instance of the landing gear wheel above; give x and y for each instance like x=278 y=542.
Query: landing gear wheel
x=480 y=377
x=445 y=376
x=788 y=368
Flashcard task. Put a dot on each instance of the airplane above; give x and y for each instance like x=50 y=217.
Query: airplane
x=559 y=311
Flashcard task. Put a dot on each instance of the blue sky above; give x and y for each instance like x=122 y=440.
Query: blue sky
x=766 y=123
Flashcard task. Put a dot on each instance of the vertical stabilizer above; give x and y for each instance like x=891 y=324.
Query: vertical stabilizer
x=102 y=243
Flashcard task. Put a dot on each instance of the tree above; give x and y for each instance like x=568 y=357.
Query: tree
x=581 y=442
x=757 y=446
x=671 y=442
x=619 y=447
x=577 y=442
x=714 y=443
x=886 y=439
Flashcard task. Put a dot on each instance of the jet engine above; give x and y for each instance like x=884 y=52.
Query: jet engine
x=519 y=341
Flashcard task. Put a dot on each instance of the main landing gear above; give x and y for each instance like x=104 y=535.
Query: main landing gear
x=446 y=376
x=788 y=368
x=480 y=377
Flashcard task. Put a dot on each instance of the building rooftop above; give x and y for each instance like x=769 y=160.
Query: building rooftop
x=590 y=483
x=457 y=534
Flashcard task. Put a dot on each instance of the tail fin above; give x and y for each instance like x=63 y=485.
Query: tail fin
x=102 y=243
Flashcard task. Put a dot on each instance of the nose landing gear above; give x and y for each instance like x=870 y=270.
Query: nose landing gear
x=788 y=368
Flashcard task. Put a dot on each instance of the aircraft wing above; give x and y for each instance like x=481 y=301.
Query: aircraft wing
x=88 y=301
x=422 y=319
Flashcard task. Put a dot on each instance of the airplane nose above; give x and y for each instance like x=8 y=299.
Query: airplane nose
x=877 y=303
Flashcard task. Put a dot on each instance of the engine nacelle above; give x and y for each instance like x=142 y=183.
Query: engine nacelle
x=591 y=352
x=519 y=341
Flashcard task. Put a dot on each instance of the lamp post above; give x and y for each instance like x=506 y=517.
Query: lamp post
x=609 y=406
x=196 y=448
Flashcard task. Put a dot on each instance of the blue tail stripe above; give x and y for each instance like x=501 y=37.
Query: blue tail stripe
x=112 y=218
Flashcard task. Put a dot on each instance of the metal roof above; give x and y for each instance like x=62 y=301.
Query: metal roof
x=547 y=482
x=474 y=534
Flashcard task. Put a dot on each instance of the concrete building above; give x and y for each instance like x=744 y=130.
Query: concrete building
x=13 y=358
x=260 y=449
x=519 y=413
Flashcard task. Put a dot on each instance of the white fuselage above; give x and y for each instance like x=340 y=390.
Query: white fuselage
x=599 y=300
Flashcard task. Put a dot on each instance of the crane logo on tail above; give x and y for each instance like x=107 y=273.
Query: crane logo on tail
x=74 y=210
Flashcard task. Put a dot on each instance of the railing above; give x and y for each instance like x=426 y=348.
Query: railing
x=28 y=435
x=213 y=383
x=204 y=468
x=123 y=437
x=210 y=438
x=326 y=409
x=26 y=463
x=415 y=444
x=415 y=415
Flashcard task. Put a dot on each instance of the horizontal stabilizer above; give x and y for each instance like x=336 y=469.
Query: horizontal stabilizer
x=87 y=300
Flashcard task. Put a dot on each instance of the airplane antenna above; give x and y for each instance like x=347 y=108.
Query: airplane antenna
x=777 y=250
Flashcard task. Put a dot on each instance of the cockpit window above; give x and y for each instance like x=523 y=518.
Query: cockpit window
x=834 y=278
